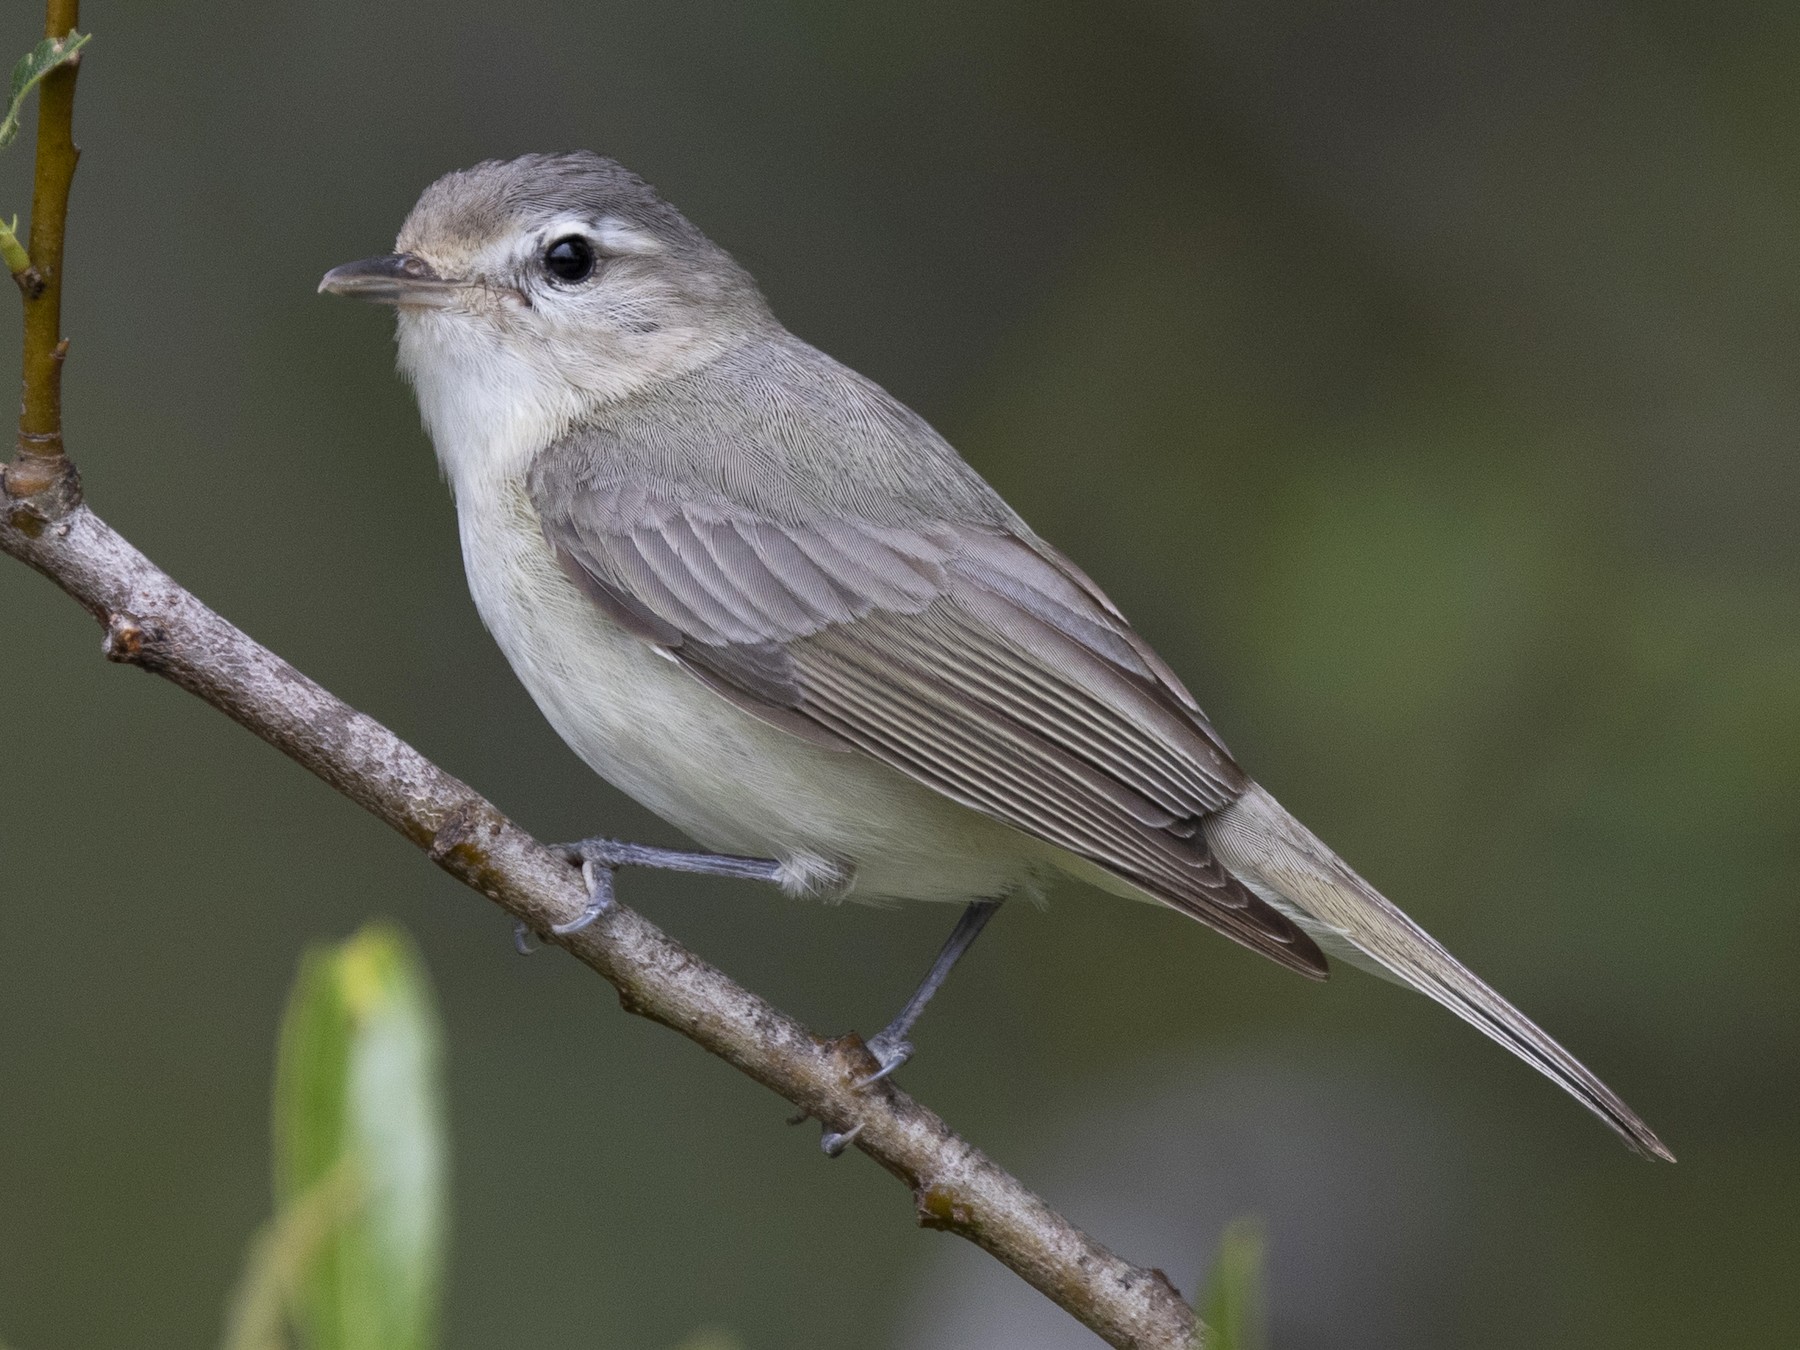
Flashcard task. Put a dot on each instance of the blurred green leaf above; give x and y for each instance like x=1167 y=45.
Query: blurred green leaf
x=279 y=1257
x=1234 y=1305
x=32 y=67
x=357 y=1090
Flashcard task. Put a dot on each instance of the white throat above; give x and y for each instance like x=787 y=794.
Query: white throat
x=490 y=404
x=487 y=410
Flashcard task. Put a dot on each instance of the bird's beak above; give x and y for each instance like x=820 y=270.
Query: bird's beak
x=392 y=279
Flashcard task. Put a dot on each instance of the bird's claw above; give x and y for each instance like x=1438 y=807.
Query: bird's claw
x=888 y=1054
x=599 y=877
x=831 y=1142
x=834 y=1142
x=597 y=872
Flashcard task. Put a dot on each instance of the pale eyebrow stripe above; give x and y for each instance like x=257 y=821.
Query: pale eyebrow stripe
x=616 y=236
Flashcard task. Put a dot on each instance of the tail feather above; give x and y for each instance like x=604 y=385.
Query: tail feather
x=1286 y=864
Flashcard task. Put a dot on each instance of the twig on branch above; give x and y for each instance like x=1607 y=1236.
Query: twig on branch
x=153 y=623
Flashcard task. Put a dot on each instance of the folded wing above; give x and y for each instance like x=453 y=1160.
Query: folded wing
x=976 y=661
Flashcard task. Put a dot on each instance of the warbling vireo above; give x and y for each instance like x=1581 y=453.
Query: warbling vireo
x=753 y=590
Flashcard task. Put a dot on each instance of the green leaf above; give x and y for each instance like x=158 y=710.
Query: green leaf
x=32 y=67
x=357 y=1087
x=1234 y=1309
x=279 y=1257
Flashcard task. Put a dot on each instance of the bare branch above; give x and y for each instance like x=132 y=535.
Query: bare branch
x=153 y=623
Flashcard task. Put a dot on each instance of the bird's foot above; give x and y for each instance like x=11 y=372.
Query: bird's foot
x=599 y=859
x=599 y=878
x=889 y=1052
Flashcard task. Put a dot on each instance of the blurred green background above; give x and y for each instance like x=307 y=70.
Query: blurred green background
x=1422 y=381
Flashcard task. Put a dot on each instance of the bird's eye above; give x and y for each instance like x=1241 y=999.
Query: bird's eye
x=570 y=259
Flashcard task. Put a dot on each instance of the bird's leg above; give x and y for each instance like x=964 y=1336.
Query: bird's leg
x=600 y=858
x=890 y=1045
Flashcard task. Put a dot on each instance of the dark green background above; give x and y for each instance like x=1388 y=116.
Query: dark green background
x=1421 y=379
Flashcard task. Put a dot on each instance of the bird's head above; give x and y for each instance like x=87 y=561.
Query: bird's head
x=557 y=281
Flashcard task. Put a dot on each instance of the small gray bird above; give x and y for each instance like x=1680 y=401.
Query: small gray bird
x=759 y=594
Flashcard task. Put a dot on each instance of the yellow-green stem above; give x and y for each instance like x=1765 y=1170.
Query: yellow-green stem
x=39 y=464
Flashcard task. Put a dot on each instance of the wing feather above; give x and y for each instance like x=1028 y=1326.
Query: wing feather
x=975 y=660
x=787 y=567
x=1107 y=742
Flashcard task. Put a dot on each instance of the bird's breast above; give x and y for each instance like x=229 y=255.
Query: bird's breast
x=726 y=777
x=609 y=695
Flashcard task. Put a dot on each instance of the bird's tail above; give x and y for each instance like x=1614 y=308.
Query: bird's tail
x=1283 y=862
